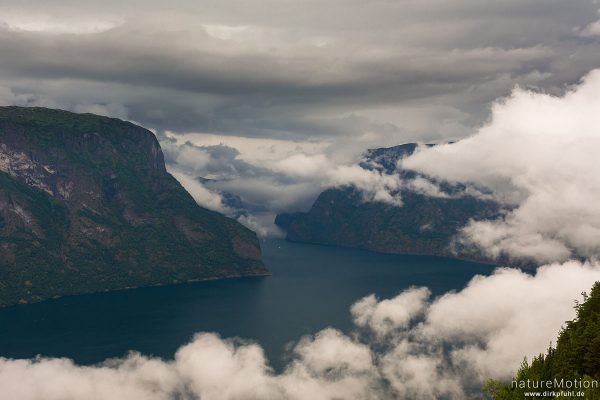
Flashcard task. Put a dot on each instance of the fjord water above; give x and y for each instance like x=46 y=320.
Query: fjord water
x=312 y=287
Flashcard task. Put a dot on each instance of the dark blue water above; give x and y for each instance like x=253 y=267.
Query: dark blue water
x=312 y=287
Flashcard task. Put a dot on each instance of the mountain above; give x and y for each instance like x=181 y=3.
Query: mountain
x=424 y=224
x=231 y=201
x=576 y=358
x=386 y=159
x=86 y=205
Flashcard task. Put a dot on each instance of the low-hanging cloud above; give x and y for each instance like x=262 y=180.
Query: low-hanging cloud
x=410 y=346
x=270 y=176
x=538 y=155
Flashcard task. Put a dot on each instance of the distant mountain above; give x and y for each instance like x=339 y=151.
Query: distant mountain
x=386 y=159
x=424 y=224
x=230 y=200
x=87 y=205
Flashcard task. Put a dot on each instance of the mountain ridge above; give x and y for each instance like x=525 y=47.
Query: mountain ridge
x=86 y=205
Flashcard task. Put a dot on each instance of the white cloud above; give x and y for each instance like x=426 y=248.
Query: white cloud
x=262 y=224
x=114 y=110
x=387 y=315
x=272 y=175
x=226 y=32
x=538 y=153
x=52 y=23
x=592 y=29
x=374 y=185
x=425 y=187
x=422 y=348
x=203 y=196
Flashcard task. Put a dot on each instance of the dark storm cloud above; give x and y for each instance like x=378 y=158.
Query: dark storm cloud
x=290 y=69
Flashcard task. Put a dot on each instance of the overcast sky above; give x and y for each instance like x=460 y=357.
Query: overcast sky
x=395 y=70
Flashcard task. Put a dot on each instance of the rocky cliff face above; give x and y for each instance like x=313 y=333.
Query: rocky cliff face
x=423 y=225
x=86 y=205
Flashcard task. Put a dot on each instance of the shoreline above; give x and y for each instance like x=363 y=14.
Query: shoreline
x=122 y=289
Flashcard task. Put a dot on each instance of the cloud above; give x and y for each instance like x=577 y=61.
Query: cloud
x=537 y=156
x=410 y=346
x=386 y=315
x=115 y=110
x=270 y=175
x=592 y=29
x=299 y=70
x=203 y=196
x=46 y=24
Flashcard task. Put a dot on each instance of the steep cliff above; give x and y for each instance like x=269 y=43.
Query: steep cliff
x=87 y=205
